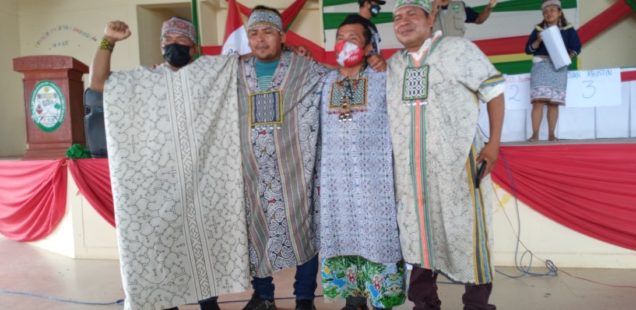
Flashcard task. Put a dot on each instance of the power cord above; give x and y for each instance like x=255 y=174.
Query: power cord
x=525 y=270
x=62 y=300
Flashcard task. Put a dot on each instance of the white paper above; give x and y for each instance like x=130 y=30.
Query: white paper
x=598 y=104
x=556 y=48
x=517 y=92
x=594 y=88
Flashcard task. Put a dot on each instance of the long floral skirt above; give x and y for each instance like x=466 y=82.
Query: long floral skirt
x=355 y=276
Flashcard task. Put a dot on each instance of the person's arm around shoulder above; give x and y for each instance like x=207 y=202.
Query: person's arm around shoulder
x=377 y=62
x=100 y=69
x=483 y=16
x=490 y=152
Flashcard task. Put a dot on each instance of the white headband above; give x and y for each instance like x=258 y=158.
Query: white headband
x=549 y=3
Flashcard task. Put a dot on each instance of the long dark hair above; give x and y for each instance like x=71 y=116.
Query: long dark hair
x=562 y=21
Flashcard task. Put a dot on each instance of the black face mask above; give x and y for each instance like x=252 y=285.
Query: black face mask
x=375 y=10
x=176 y=55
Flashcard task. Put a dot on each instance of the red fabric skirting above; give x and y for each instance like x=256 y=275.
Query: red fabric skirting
x=32 y=198
x=93 y=180
x=589 y=188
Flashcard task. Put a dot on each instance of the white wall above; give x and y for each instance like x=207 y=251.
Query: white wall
x=613 y=48
x=12 y=126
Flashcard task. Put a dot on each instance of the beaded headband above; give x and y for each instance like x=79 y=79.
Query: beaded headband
x=180 y=26
x=425 y=5
x=265 y=17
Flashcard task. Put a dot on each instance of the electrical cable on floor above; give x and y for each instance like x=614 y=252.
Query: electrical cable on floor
x=525 y=270
x=62 y=300
x=117 y=302
x=247 y=300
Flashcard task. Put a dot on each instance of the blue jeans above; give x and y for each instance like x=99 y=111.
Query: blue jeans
x=304 y=286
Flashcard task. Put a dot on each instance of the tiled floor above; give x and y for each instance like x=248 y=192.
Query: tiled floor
x=29 y=270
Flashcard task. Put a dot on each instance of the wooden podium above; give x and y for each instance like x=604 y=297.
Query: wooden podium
x=53 y=98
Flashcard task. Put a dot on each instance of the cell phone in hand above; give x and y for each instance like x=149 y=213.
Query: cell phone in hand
x=480 y=173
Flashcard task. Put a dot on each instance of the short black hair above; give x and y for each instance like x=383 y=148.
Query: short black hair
x=266 y=8
x=353 y=19
x=361 y=2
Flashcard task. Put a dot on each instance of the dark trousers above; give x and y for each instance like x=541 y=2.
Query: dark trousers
x=423 y=292
x=304 y=286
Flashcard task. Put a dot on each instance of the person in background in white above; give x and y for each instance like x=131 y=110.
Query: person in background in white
x=452 y=16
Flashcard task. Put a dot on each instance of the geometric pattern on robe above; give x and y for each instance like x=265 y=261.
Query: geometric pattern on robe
x=175 y=166
x=444 y=220
x=357 y=201
x=279 y=161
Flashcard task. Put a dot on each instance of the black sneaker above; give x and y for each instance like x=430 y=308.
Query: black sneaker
x=209 y=304
x=305 y=304
x=354 y=307
x=356 y=303
x=257 y=303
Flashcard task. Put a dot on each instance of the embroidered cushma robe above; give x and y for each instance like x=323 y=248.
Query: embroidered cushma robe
x=279 y=130
x=444 y=220
x=175 y=165
x=359 y=242
x=357 y=201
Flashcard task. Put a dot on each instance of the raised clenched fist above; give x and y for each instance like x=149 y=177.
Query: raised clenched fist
x=116 y=31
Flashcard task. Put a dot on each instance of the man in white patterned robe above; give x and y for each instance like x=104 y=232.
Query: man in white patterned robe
x=173 y=141
x=433 y=89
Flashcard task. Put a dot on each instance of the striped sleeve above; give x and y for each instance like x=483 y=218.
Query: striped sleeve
x=491 y=88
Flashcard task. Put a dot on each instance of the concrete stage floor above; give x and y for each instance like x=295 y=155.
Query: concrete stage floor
x=30 y=270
